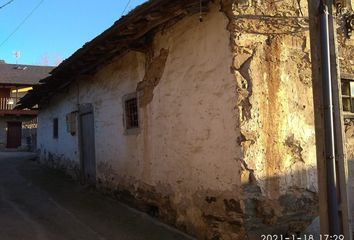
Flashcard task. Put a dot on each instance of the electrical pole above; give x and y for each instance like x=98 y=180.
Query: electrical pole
x=331 y=162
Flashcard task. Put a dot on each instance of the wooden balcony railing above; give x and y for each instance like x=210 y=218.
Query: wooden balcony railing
x=7 y=107
x=8 y=103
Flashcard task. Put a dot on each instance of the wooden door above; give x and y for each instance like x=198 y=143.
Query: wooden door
x=14 y=132
x=87 y=143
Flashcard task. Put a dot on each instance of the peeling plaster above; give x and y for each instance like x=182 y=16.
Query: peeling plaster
x=153 y=74
x=267 y=40
x=227 y=147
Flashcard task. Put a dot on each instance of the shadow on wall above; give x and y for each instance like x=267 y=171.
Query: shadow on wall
x=60 y=162
x=351 y=188
x=29 y=139
x=291 y=212
x=244 y=213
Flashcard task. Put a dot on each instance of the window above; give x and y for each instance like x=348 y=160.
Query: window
x=55 y=127
x=348 y=95
x=71 y=123
x=131 y=115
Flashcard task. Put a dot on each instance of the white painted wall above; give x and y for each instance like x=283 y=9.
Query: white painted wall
x=105 y=93
x=66 y=145
x=187 y=145
x=192 y=119
x=189 y=125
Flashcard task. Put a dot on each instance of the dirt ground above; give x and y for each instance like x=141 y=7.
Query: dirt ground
x=38 y=203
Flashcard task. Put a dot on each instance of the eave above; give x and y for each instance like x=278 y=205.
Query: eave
x=131 y=32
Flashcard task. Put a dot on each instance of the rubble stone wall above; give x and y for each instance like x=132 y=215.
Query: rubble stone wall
x=272 y=68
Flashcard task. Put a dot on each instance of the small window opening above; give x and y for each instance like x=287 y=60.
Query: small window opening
x=131 y=113
x=55 y=128
x=348 y=95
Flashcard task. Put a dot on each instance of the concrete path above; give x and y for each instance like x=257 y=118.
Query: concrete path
x=37 y=203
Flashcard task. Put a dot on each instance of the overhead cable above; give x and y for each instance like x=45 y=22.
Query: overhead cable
x=4 y=5
x=21 y=23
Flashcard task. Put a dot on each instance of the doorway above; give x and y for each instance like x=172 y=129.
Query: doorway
x=87 y=143
x=14 y=134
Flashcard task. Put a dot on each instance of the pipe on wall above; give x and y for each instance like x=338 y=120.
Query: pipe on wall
x=334 y=226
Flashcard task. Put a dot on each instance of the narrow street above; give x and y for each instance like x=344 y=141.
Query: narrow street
x=41 y=204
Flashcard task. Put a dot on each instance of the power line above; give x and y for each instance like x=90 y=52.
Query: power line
x=23 y=22
x=6 y=4
x=126 y=7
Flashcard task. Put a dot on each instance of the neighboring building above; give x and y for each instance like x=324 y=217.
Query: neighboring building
x=207 y=125
x=15 y=82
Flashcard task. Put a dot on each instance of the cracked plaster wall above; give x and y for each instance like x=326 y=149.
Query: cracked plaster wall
x=227 y=143
x=272 y=67
x=105 y=91
x=189 y=128
x=182 y=167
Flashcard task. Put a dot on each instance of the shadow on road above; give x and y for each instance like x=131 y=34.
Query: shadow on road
x=43 y=203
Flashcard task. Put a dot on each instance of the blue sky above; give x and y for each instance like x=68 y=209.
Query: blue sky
x=56 y=29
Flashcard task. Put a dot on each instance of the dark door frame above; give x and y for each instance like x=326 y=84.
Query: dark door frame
x=83 y=110
x=17 y=124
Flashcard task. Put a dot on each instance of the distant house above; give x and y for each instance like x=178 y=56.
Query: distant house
x=198 y=112
x=15 y=82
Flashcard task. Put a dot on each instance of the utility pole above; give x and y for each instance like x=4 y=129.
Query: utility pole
x=331 y=161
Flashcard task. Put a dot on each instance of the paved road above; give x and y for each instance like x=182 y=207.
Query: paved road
x=37 y=203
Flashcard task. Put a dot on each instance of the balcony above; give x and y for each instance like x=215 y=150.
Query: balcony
x=7 y=103
x=7 y=107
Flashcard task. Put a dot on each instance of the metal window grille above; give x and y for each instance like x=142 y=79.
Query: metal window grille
x=55 y=128
x=131 y=113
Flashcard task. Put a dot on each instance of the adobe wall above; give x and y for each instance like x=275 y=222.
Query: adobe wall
x=226 y=142
x=105 y=91
x=190 y=127
x=182 y=167
x=61 y=152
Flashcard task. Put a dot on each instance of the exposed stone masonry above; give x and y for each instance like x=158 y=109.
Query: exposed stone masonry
x=272 y=69
x=170 y=170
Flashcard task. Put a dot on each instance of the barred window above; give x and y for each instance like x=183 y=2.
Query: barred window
x=131 y=112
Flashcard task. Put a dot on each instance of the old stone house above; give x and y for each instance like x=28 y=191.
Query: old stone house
x=197 y=112
x=15 y=81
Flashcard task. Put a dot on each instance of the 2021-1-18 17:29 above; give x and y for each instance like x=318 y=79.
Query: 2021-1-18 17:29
x=303 y=237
